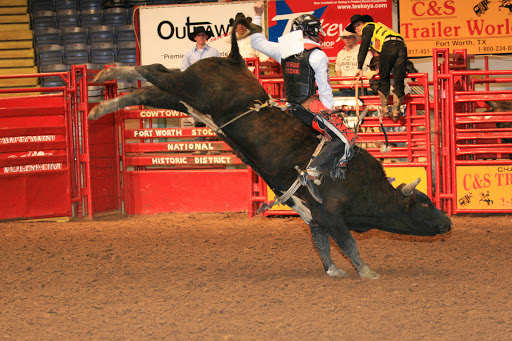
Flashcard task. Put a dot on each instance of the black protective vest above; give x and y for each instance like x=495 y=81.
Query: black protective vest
x=299 y=77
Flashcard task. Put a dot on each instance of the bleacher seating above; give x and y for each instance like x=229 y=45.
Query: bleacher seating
x=73 y=35
x=127 y=52
x=91 y=17
x=67 y=17
x=115 y=16
x=101 y=34
x=66 y=4
x=46 y=36
x=102 y=53
x=76 y=54
x=54 y=80
x=41 y=5
x=90 y=4
x=49 y=54
x=44 y=19
x=91 y=32
x=125 y=33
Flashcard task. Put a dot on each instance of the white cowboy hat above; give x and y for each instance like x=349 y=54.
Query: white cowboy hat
x=346 y=33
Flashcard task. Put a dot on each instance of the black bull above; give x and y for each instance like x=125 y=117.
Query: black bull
x=273 y=143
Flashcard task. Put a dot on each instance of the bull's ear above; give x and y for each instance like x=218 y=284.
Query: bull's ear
x=249 y=20
x=231 y=21
x=409 y=202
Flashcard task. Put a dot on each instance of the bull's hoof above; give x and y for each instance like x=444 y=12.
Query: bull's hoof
x=103 y=76
x=334 y=271
x=368 y=273
x=94 y=114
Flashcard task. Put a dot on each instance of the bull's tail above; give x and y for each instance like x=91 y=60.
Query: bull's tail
x=234 y=54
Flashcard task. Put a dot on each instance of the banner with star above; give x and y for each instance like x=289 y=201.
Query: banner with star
x=334 y=14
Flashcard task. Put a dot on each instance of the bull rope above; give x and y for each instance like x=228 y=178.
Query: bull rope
x=257 y=107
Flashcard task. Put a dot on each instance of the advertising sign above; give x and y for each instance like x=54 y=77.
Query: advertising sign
x=334 y=14
x=484 y=187
x=164 y=30
x=480 y=26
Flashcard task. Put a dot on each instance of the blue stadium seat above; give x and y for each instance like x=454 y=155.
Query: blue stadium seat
x=44 y=19
x=114 y=3
x=66 y=4
x=74 y=35
x=67 y=17
x=90 y=4
x=76 y=54
x=101 y=34
x=127 y=52
x=125 y=33
x=102 y=53
x=52 y=81
x=47 y=35
x=115 y=16
x=91 y=17
x=49 y=54
x=40 y=5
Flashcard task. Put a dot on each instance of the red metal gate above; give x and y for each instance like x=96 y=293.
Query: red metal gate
x=476 y=168
x=43 y=161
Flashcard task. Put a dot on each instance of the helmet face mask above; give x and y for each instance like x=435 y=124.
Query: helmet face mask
x=310 y=26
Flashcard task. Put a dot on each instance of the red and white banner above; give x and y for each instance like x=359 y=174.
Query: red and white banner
x=334 y=14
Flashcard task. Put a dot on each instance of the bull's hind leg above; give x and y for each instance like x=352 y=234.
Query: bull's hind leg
x=321 y=239
x=148 y=95
x=129 y=73
x=156 y=74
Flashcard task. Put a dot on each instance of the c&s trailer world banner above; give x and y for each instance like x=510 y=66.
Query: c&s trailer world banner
x=480 y=26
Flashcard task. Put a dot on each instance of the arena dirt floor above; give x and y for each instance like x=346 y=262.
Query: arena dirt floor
x=228 y=277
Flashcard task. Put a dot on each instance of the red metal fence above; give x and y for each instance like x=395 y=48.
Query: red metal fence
x=475 y=166
x=43 y=150
x=53 y=162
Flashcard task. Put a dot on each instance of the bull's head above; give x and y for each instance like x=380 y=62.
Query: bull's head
x=417 y=214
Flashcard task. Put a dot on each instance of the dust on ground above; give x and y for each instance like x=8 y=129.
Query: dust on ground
x=229 y=277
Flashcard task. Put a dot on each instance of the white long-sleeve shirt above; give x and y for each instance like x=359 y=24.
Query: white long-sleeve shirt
x=317 y=59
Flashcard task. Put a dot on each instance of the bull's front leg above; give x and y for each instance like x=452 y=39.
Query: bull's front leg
x=321 y=239
x=348 y=246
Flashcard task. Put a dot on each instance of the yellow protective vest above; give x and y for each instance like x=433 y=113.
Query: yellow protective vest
x=380 y=33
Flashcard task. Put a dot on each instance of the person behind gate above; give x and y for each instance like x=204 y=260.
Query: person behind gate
x=300 y=71
x=393 y=56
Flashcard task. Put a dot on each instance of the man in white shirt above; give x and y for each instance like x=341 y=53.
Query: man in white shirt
x=346 y=61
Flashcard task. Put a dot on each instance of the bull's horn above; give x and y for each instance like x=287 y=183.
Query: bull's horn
x=407 y=189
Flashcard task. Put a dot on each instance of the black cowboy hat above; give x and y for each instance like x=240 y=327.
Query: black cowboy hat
x=358 y=17
x=239 y=16
x=197 y=30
